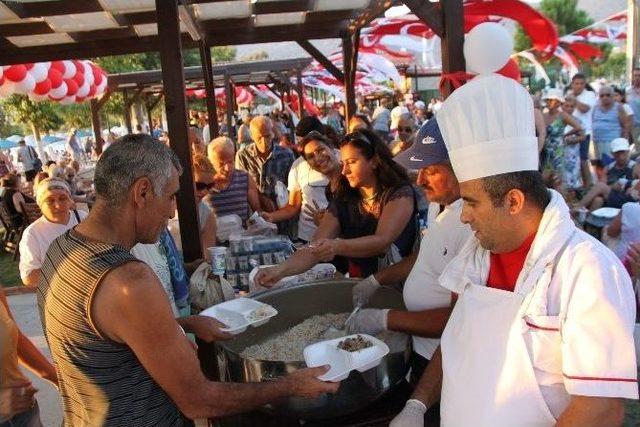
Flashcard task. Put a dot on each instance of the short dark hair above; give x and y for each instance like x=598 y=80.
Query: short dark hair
x=49 y=163
x=308 y=124
x=577 y=76
x=529 y=182
x=314 y=136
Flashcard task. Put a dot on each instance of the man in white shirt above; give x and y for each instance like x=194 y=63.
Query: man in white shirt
x=58 y=215
x=428 y=304
x=585 y=101
x=542 y=329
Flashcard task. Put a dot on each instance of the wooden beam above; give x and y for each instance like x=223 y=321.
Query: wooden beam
x=104 y=99
x=300 y=90
x=109 y=34
x=175 y=103
x=282 y=6
x=376 y=9
x=136 y=18
x=429 y=13
x=453 y=40
x=323 y=60
x=274 y=34
x=25 y=29
x=127 y=110
x=205 y=60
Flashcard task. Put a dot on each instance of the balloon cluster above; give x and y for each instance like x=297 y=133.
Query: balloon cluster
x=65 y=82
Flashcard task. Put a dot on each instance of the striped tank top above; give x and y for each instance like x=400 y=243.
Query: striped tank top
x=233 y=199
x=102 y=383
x=606 y=124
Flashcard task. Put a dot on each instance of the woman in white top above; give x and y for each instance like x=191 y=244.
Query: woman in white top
x=58 y=215
x=308 y=180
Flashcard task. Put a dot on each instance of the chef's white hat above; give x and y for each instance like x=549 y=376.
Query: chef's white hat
x=488 y=123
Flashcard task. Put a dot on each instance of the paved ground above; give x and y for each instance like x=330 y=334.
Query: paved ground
x=25 y=311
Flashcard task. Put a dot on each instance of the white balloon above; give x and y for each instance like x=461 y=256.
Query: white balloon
x=7 y=89
x=101 y=87
x=46 y=64
x=487 y=48
x=83 y=90
x=39 y=72
x=88 y=73
x=59 y=92
x=1 y=71
x=68 y=100
x=26 y=85
x=69 y=69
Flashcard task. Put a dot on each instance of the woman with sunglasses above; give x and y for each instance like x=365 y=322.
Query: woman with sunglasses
x=370 y=220
x=308 y=180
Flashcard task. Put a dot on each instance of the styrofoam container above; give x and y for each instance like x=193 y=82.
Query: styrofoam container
x=606 y=212
x=342 y=362
x=236 y=314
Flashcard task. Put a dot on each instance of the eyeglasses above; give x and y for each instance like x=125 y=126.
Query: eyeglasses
x=203 y=186
x=403 y=129
x=356 y=136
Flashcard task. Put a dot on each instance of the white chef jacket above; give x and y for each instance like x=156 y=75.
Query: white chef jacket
x=442 y=242
x=312 y=184
x=580 y=319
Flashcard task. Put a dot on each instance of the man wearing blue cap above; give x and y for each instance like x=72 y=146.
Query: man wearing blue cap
x=428 y=304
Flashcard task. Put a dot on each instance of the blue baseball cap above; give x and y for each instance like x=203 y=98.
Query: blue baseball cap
x=428 y=148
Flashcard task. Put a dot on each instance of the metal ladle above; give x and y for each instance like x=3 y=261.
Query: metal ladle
x=333 y=328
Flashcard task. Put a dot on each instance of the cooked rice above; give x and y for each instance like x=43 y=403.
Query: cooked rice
x=289 y=346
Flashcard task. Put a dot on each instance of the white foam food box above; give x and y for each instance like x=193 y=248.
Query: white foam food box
x=342 y=362
x=240 y=313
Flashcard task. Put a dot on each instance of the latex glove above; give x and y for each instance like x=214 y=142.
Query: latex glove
x=368 y=321
x=363 y=291
x=412 y=415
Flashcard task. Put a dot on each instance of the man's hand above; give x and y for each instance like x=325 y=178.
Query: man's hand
x=368 y=321
x=16 y=399
x=206 y=328
x=268 y=276
x=325 y=249
x=305 y=382
x=314 y=212
x=412 y=415
x=364 y=290
x=268 y=216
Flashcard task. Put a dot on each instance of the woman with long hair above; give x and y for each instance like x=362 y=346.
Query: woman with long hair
x=371 y=217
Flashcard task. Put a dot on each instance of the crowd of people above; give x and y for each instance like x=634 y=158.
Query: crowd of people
x=469 y=217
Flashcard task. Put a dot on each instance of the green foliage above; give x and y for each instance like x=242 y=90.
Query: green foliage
x=75 y=115
x=39 y=115
x=613 y=68
x=7 y=126
x=223 y=53
x=255 y=56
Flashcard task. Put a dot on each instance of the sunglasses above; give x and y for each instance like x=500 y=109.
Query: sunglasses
x=356 y=136
x=203 y=186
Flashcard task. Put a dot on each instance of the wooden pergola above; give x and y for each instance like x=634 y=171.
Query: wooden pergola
x=147 y=85
x=54 y=30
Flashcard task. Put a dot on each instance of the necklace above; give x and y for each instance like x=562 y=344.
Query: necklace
x=372 y=197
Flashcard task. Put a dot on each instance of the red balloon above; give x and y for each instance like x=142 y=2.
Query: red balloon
x=15 y=73
x=43 y=87
x=511 y=70
x=79 y=66
x=79 y=99
x=92 y=91
x=72 y=87
x=55 y=76
x=57 y=65
x=79 y=78
x=28 y=66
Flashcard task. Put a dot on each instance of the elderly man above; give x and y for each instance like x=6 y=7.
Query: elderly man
x=234 y=191
x=428 y=304
x=121 y=357
x=54 y=198
x=267 y=163
x=406 y=134
x=585 y=101
x=619 y=180
x=542 y=329
x=609 y=122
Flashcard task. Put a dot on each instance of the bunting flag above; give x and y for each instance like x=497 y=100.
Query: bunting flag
x=612 y=30
x=568 y=61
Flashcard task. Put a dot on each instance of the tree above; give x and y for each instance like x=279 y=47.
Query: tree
x=255 y=56
x=75 y=115
x=564 y=13
x=38 y=116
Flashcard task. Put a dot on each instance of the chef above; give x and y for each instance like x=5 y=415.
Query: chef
x=542 y=330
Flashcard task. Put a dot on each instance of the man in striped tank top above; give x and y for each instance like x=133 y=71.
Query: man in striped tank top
x=122 y=359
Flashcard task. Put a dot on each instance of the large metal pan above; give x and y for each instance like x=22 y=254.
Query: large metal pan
x=295 y=304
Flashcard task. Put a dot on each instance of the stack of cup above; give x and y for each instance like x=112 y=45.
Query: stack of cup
x=217 y=255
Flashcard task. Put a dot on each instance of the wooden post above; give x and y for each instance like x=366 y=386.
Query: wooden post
x=207 y=73
x=127 y=111
x=349 y=88
x=95 y=124
x=300 y=93
x=229 y=95
x=175 y=103
x=633 y=47
x=453 y=40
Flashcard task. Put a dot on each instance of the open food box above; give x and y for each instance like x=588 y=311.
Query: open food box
x=359 y=351
x=240 y=313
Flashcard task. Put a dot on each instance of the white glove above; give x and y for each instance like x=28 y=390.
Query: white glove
x=368 y=321
x=412 y=415
x=363 y=290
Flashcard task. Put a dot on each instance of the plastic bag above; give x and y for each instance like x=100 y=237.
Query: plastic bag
x=206 y=290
